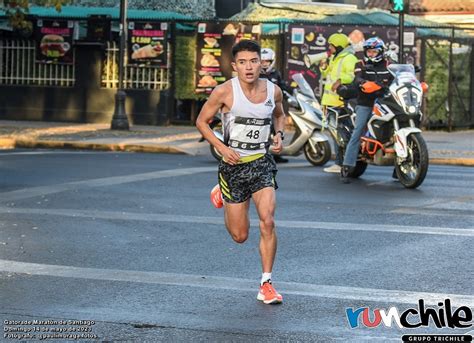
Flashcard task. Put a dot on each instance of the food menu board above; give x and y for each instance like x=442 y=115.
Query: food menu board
x=54 y=41
x=99 y=28
x=147 y=43
x=306 y=45
x=214 y=51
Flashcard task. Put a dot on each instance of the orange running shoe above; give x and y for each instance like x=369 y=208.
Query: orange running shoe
x=216 y=197
x=268 y=294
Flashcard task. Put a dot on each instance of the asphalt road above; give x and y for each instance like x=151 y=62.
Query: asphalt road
x=131 y=243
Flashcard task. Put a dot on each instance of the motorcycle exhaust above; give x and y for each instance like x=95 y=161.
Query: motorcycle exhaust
x=381 y=159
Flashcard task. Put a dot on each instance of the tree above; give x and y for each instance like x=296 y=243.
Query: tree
x=16 y=11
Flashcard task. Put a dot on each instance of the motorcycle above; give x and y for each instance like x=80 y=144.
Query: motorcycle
x=393 y=136
x=307 y=118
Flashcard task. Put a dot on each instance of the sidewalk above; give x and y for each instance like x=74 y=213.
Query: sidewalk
x=456 y=148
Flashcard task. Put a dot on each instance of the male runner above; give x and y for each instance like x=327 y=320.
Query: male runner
x=248 y=106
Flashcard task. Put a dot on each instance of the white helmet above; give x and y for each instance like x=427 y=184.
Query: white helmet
x=268 y=54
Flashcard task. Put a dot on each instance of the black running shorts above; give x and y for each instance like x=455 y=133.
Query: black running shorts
x=239 y=182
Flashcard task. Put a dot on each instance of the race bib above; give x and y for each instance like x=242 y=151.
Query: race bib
x=250 y=133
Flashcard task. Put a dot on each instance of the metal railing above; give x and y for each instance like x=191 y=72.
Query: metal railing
x=136 y=77
x=18 y=66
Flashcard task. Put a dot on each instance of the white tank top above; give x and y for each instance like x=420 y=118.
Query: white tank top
x=247 y=125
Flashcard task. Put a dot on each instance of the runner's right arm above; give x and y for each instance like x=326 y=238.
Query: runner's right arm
x=213 y=104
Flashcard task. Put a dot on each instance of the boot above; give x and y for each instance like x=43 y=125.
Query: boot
x=394 y=175
x=345 y=170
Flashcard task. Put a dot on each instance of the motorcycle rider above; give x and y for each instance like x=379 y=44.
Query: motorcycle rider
x=268 y=71
x=372 y=69
x=337 y=71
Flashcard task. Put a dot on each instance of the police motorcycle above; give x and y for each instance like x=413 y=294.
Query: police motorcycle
x=393 y=137
x=306 y=115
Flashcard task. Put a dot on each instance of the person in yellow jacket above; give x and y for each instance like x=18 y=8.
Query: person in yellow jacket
x=337 y=70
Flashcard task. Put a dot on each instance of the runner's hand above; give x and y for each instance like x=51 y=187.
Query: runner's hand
x=230 y=156
x=277 y=143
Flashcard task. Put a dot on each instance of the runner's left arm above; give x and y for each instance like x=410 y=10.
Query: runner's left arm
x=278 y=120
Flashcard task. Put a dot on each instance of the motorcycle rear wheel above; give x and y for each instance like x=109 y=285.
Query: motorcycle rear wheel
x=358 y=170
x=322 y=155
x=412 y=171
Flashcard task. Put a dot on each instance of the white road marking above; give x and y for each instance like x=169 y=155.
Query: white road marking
x=379 y=183
x=100 y=182
x=432 y=212
x=109 y=181
x=227 y=283
x=219 y=221
x=55 y=152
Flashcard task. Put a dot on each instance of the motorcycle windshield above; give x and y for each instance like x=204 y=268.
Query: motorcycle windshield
x=396 y=69
x=404 y=74
x=303 y=85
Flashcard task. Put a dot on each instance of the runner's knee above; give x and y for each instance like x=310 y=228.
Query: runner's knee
x=239 y=237
x=267 y=224
x=238 y=233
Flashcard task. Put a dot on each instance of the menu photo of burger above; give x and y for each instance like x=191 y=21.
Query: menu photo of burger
x=54 y=46
x=152 y=50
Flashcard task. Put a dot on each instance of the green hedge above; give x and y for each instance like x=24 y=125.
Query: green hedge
x=437 y=79
x=185 y=60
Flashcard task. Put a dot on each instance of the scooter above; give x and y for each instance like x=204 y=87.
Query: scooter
x=307 y=118
x=393 y=137
x=216 y=126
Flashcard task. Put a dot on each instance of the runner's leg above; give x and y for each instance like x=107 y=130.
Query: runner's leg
x=237 y=221
x=265 y=203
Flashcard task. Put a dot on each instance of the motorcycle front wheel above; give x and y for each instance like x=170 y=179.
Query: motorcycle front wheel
x=322 y=154
x=412 y=171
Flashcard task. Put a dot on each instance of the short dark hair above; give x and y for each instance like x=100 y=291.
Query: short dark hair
x=246 y=45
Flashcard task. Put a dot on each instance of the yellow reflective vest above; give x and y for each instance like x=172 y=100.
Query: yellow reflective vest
x=339 y=67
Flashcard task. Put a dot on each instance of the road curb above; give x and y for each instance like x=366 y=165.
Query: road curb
x=39 y=144
x=11 y=143
x=7 y=143
x=467 y=162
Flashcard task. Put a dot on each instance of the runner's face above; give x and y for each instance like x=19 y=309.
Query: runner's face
x=247 y=66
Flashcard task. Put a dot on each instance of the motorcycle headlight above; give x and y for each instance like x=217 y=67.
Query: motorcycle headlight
x=409 y=99
x=402 y=97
